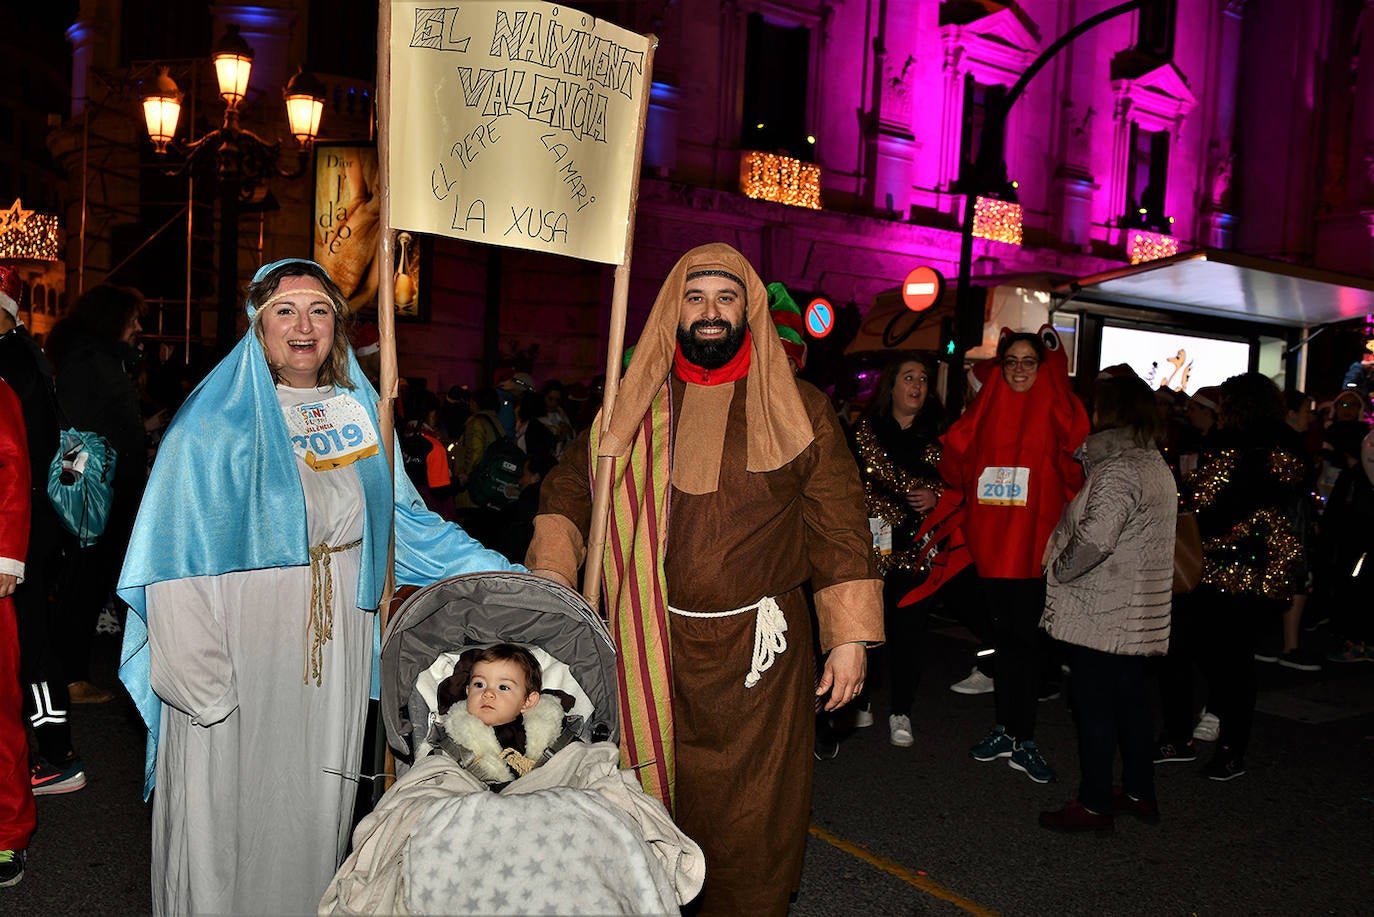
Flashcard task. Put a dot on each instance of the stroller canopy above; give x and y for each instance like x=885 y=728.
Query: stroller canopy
x=477 y=610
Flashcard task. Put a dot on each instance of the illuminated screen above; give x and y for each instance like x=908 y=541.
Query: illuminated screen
x=1182 y=362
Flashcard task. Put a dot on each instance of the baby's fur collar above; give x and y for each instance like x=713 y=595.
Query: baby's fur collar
x=543 y=725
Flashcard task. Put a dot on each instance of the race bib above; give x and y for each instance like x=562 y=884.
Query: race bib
x=881 y=530
x=1003 y=486
x=332 y=433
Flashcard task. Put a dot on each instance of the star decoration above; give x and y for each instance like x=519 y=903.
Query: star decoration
x=15 y=218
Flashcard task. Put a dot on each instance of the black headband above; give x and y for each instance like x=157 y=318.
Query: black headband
x=716 y=272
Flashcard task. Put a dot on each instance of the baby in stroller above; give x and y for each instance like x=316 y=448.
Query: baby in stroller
x=499 y=699
x=496 y=723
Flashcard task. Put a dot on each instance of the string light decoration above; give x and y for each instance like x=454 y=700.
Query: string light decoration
x=27 y=234
x=770 y=177
x=999 y=221
x=1149 y=246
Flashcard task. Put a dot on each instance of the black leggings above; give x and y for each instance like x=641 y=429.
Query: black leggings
x=1226 y=653
x=906 y=628
x=1022 y=650
x=41 y=674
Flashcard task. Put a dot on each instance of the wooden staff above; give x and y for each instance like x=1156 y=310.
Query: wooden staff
x=615 y=348
x=386 y=310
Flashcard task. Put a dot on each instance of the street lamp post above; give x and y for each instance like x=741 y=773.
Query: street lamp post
x=243 y=161
x=989 y=173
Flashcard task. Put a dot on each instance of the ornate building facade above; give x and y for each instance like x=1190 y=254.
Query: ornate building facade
x=1226 y=124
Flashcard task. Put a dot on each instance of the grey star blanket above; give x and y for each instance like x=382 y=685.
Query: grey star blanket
x=576 y=835
x=558 y=851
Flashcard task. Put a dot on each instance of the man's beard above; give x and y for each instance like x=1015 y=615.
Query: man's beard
x=712 y=354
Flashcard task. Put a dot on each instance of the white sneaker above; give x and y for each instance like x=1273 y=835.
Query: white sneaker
x=976 y=683
x=1207 y=727
x=863 y=717
x=899 y=729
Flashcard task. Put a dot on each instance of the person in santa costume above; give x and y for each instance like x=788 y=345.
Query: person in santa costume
x=16 y=796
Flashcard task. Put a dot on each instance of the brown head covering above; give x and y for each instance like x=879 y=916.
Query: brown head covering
x=778 y=429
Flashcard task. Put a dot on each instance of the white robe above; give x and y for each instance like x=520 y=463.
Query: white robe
x=257 y=769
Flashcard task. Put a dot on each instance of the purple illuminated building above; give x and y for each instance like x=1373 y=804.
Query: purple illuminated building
x=831 y=141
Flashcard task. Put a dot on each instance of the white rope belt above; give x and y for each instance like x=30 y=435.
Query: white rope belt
x=769 y=628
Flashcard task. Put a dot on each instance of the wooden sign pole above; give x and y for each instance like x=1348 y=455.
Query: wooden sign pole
x=615 y=349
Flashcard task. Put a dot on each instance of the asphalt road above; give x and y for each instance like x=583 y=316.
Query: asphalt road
x=926 y=830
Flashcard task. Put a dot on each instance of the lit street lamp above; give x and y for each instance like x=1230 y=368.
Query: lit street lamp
x=243 y=161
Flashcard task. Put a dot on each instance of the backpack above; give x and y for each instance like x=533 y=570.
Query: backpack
x=81 y=484
x=495 y=481
x=415 y=450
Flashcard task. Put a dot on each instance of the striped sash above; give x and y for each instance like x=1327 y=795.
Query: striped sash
x=636 y=596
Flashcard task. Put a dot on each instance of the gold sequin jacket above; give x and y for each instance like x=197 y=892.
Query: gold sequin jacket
x=1246 y=492
x=893 y=461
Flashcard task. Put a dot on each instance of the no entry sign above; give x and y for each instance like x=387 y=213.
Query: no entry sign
x=922 y=288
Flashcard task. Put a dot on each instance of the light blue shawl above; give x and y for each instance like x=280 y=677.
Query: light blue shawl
x=225 y=495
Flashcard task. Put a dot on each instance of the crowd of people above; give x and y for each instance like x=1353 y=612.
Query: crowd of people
x=253 y=555
x=1069 y=515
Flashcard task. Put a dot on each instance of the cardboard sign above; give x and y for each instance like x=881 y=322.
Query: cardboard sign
x=515 y=123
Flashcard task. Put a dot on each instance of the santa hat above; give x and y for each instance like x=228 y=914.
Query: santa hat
x=366 y=340
x=11 y=291
x=787 y=320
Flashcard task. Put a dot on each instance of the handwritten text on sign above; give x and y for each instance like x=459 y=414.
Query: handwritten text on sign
x=515 y=123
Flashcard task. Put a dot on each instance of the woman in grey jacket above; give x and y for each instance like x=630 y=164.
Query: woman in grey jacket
x=1109 y=565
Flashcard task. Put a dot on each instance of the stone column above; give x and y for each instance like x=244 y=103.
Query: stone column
x=660 y=129
x=94 y=38
x=1074 y=188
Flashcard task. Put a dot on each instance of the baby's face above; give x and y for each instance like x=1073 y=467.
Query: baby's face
x=497 y=692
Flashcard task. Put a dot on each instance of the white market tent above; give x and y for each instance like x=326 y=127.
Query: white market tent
x=1225 y=284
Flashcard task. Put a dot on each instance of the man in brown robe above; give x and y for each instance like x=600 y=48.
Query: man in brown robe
x=764 y=498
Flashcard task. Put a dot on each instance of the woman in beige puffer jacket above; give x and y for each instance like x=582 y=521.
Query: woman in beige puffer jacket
x=1109 y=566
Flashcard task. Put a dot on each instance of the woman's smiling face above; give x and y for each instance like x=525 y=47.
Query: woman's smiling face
x=1020 y=366
x=298 y=330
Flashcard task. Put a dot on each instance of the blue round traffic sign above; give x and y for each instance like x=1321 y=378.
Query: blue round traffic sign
x=820 y=317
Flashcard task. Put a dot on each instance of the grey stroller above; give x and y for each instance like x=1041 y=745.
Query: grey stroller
x=575 y=835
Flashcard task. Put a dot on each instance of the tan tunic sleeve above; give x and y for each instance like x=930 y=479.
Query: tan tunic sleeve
x=565 y=512
x=848 y=589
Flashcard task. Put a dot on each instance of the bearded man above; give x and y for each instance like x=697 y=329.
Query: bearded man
x=733 y=487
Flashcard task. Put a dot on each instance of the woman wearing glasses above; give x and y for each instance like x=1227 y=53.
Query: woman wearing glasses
x=1010 y=457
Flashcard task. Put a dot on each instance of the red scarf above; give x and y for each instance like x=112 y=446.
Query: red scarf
x=737 y=368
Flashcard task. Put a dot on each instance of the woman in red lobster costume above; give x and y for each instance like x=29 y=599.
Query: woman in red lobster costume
x=1010 y=457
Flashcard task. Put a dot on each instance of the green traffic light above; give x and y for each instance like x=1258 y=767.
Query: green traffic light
x=949 y=348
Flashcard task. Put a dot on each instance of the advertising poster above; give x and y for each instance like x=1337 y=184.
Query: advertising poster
x=515 y=124
x=346 y=223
